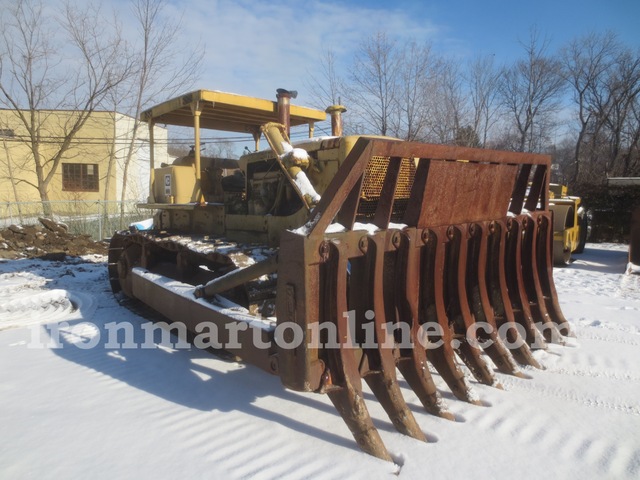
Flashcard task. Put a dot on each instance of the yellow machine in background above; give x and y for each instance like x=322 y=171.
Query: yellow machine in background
x=570 y=224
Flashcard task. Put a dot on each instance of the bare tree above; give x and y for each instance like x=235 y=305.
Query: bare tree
x=631 y=158
x=586 y=62
x=37 y=76
x=387 y=88
x=409 y=92
x=326 y=88
x=447 y=104
x=620 y=122
x=605 y=79
x=373 y=83
x=11 y=173
x=221 y=149
x=562 y=154
x=418 y=67
x=158 y=74
x=482 y=81
x=530 y=92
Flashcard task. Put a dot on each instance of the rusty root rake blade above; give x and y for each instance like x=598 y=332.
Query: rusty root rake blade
x=466 y=270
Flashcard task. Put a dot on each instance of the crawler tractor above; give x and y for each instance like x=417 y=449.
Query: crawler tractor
x=340 y=258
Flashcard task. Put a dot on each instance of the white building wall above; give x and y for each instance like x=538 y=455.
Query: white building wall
x=138 y=173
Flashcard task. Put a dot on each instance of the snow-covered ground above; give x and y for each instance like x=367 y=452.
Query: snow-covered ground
x=167 y=413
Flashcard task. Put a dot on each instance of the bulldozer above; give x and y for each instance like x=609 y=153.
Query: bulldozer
x=570 y=224
x=341 y=258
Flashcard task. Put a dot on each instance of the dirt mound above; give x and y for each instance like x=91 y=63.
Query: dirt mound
x=50 y=240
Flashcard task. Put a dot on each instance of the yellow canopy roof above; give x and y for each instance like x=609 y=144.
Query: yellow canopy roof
x=226 y=112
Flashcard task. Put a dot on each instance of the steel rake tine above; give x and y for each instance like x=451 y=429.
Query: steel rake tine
x=530 y=243
x=345 y=387
x=416 y=373
x=499 y=295
x=516 y=286
x=413 y=362
x=545 y=274
x=459 y=312
x=382 y=375
x=440 y=352
x=479 y=303
x=350 y=404
x=536 y=250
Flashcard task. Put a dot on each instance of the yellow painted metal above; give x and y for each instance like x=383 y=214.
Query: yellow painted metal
x=180 y=190
x=175 y=184
x=196 y=110
x=151 y=162
x=566 y=222
x=227 y=112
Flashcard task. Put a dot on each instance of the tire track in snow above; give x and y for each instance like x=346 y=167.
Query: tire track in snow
x=625 y=340
x=39 y=307
x=543 y=431
x=594 y=373
x=608 y=404
x=24 y=301
x=580 y=363
x=15 y=282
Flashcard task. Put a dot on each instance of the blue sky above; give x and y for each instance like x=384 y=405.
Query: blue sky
x=254 y=47
x=494 y=26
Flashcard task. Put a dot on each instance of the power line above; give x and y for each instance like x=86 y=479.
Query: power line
x=53 y=140
x=97 y=141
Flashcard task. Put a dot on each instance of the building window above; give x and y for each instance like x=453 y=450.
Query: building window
x=80 y=177
x=7 y=132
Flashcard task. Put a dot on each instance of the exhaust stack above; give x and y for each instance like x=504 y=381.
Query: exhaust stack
x=284 y=103
x=336 y=112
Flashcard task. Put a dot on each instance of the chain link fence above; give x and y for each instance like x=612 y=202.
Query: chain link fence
x=96 y=218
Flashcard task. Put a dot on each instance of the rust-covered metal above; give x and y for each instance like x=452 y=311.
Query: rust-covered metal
x=474 y=245
x=417 y=258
